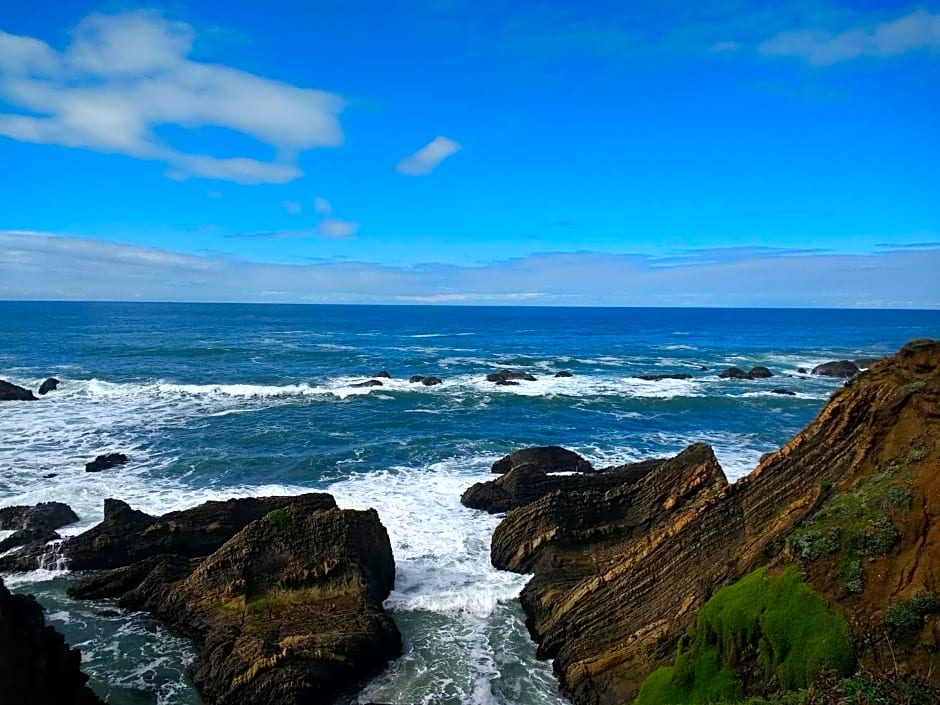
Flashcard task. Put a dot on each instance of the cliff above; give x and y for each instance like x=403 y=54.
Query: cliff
x=841 y=522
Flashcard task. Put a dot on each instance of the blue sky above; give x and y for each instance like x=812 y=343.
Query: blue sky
x=616 y=153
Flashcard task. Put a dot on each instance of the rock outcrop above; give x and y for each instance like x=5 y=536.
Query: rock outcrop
x=660 y=378
x=734 y=373
x=545 y=459
x=11 y=392
x=286 y=610
x=509 y=376
x=760 y=372
x=841 y=368
x=50 y=385
x=35 y=524
x=106 y=462
x=37 y=667
x=852 y=502
x=426 y=380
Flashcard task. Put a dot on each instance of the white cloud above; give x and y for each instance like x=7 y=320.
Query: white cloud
x=122 y=76
x=333 y=227
x=425 y=159
x=917 y=31
x=292 y=207
x=322 y=206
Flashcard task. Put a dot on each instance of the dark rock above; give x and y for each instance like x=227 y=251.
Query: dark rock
x=430 y=381
x=50 y=515
x=383 y=374
x=50 y=475
x=38 y=536
x=127 y=535
x=660 y=378
x=50 y=385
x=801 y=370
x=106 y=462
x=545 y=459
x=10 y=392
x=563 y=373
x=787 y=392
x=367 y=383
x=507 y=383
x=760 y=373
x=734 y=373
x=525 y=484
x=864 y=363
x=37 y=666
x=842 y=368
x=506 y=375
x=702 y=368
x=288 y=611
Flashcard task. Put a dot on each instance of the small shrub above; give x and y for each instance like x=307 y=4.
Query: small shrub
x=925 y=603
x=850 y=570
x=878 y=538
x=902 y=617
x=281 y=518
x=814 y=543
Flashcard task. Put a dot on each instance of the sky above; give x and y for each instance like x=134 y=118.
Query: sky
x=472 y=151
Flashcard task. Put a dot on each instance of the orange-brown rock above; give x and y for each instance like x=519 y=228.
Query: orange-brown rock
x=619 y=575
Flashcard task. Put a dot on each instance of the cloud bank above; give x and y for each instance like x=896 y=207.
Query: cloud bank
x=123 y=76
x=51 y=267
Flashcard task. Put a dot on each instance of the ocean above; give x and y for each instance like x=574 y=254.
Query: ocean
x=214 y=400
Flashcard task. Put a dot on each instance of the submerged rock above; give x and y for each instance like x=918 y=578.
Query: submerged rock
x=367 y=383
x=11 y=392
x=785 y=392
x=37 y=666
x=563 y=373
x=842 y=368
x=49 y=385
x=660 y=378
x=106 y=462
x=544 y=459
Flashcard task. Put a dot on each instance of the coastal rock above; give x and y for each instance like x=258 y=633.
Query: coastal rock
x=801 y=371
x=525 y=484
x=34 y=525
x=49 y=385
x=430 y=381
x=863 y=363
x=289 y=610
x=11 y=392
x=842 y=368
x=785 y=392
x=508 y=375
x=660 y=378
x=106 y=462
x=563 y=373
x=507 y=383
x=544 y=459
x=853 y=502
x=760 y=372
x=734 y=373
x=37 y=666
x=383 y=374
x=367 y=383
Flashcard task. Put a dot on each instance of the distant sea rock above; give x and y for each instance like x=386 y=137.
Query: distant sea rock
x=841 y=368
x=563 y=373
x=734 y=373
x=509 y=375
x=383 y=374
x=49 y=385
x=367 y=383
x=760 y=372
x=427 y=381
x=106 y=462
x=660 y=378
x=11 y=392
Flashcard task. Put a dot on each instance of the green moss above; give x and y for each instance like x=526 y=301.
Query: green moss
x=281 y=518
x=779 y=622
x=850 y=570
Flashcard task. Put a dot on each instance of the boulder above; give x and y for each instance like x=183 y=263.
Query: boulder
x=760 y=373
x=430 y=381
x=801 y=371
x=106 y=462
x=34 y=525
x=842 y=368
x=545 y=459
x=11 y=392
x=507 y=375
x=50 y=385
x=287 y=611
x=660 y=378
x=734 y=373
x=37 y=666
x=367 y=383
x=383 y=374
x=786 y=392
x=563 y=373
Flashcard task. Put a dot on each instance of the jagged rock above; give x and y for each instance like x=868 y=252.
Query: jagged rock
x=50 y=385
x=288 y=611
x=760 y=373
x=37 y=666
x=563 y=373
x=619 y=576
x=367 y=383
x=734 y=373
x=524 y=484
x=842 y=368
x=545 y=459
x=430 y=381
x=127 y=535
x=34 y=526
x=11 y=392
x=660 y=378
x=383 y=374
x=106 y=462
x=785 y=392
x=507 y=375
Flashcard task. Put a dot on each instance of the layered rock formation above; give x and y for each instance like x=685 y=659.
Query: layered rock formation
x=282 y=596
x=852 y=502
x=37 y=667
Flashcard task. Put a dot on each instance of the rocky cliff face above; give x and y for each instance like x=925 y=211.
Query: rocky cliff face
x=37 y=667
x=852 y=502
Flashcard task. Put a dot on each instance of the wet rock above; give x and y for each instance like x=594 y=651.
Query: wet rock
x=786 y=392
x=49 y=385
x=37 y=666
x=106 y=462
x=544 y=459
x=563 y=373
x=841 y=368
x=50 y=515
x=11 y=392
x=507 y=383
x=760 y=373
x=367 y=383
x=50 y=475
x=734 y=373
x=801 y=370
x=383 y=374
x=430 y=381
x=702 y=368
x=660 y=378
x=509 y=375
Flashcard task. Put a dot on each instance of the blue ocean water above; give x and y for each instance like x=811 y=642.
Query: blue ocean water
x=214 y=401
